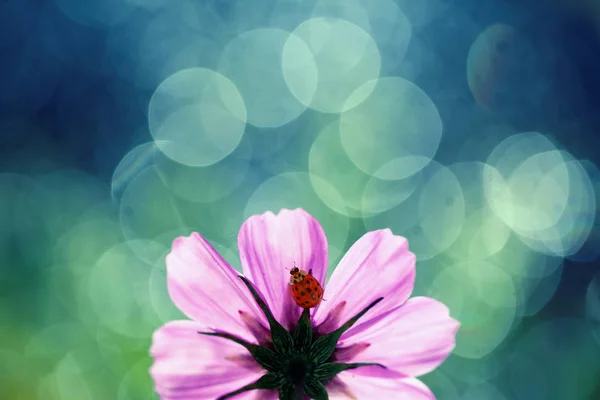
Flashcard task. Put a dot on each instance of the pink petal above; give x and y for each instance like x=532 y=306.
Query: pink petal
x=205 y=288
x=412 y=339
x=348 y=385
x=379 y=264
x=188 y=365
x=270 y=245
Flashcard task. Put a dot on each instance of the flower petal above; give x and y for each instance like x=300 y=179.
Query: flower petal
x=207 y=289
x=269 y=244
x=348 y=385
x=379 y=264
x=412 y=339
x=188 y=365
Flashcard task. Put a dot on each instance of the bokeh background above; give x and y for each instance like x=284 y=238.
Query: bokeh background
x=469 y=127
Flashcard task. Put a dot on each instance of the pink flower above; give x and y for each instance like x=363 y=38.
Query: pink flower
x=367 y=340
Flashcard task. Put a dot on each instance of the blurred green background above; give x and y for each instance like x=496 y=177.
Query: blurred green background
x=468 y=128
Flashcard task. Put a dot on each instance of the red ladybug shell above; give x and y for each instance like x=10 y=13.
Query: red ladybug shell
x=306 y=291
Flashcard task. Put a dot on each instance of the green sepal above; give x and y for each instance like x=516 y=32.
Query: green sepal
x=282 y=339
x=268 y=381
x=322 y=349
x=329 y=370
x=315 y=389
x=287 y=391
x=264 y=356
x=303 y=332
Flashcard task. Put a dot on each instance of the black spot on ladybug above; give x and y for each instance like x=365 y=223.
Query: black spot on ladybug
x=305 y=303
x=296 y=288
x=319 y=295
x=308 y=290
x=302 y=293
x=298 y=298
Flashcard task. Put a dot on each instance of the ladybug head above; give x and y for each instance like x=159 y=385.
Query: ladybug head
x=294 y=271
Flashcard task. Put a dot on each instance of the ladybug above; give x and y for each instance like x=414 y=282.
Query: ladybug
x=306 y=291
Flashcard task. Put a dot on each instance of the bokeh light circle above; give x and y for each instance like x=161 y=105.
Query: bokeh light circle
x=502 y=169
x=519 y=260
x=482 y=297
x=252 y=61
x=513 y=74
x=568 y=234
x=383 y=20
x=148 y=210
x=533 y=184
x=70 y=380
x=483 y=233
x=395 y=132
x=361 y=194
x=345 y=56
x=431 y=218
x=541 y=193
x=197 y=117
x=54 y=341
x=391 y=30
x=137 y=383
x=186 y=34
x=475 y=371
x=534 y=293
x=348 y=10
x=134 y=162
x=118 y=288
x=441 y=386
x=205 y=184
x=487 y=63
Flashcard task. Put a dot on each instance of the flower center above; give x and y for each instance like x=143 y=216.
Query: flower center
x=298 y=368
x=298 y=364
